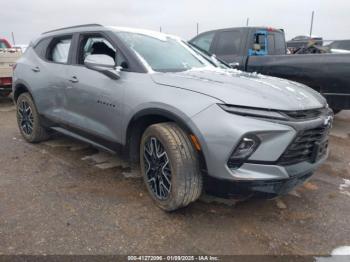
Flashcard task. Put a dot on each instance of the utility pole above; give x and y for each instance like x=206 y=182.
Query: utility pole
x=13 y=38
x=247 y=24
x=160 y=29
x=312 y=22
x=197 y=28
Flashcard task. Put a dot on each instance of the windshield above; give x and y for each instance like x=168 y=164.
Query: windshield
x=163 y=54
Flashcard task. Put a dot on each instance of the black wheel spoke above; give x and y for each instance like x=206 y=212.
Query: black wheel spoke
x=166 y=179
x=20 y=111
x=25 y=117
x=147 y=163
x=157 y=168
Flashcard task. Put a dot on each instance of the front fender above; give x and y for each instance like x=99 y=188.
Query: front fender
x=161 y=109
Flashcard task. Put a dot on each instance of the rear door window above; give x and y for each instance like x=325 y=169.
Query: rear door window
x=280 y=44
x=271 y=44
x=228 y=43
x=276 y=44
x=59 y=50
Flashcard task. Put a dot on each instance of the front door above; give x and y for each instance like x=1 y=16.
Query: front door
x=94 y=99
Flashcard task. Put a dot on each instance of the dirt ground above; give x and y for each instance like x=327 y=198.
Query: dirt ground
x=64 y=197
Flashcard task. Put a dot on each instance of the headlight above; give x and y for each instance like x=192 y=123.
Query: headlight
x=245 y=148
x=253 y=112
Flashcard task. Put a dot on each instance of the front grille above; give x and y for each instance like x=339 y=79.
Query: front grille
x=305 y=114
x=309 y=145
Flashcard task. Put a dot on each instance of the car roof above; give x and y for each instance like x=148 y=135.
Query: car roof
x=68 y=30
x=98 y=27
x=241 y=28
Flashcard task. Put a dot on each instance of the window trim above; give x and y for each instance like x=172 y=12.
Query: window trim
x=53 y=41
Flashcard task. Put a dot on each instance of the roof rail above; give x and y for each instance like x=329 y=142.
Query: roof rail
x=70 y=27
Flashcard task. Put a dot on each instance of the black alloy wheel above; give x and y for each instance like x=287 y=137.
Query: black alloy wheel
x=157 y=168
x=29 y=121
x=25 y=116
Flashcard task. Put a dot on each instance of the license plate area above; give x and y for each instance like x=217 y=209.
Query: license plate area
x=320 y=149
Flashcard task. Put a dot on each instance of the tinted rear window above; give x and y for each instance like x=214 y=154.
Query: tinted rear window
x=280 y=44
x=229 y=43
x=276 y=44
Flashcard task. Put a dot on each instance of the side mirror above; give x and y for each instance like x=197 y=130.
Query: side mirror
x=103 y=64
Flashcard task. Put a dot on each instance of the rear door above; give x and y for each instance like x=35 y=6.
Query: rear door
x=48 y=76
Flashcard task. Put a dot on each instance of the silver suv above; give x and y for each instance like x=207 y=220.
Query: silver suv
x=192 y=123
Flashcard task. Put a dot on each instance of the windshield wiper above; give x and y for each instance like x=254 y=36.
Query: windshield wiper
x=208 y=56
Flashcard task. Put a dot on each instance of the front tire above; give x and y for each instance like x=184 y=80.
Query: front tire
x=169 y=166
x=28 y=120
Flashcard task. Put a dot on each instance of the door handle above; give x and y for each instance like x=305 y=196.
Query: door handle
x=36 y=69
x=74 y=79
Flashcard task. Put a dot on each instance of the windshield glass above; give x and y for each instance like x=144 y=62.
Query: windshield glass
x=164 y=54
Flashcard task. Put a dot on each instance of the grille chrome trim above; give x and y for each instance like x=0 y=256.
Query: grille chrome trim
x=305 y=114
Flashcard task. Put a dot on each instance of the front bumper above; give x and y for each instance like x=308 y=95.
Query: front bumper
x=263 y=188
x=257 y=188
x=261 y=174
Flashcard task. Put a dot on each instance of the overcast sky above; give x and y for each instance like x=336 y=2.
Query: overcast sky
x=27 y=19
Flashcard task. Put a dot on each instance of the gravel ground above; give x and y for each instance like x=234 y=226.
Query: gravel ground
x=64 y=197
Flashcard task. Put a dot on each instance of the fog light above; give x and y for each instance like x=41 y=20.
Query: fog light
x=243 y=151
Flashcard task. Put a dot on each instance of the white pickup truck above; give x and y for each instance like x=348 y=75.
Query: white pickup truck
x=8 y=57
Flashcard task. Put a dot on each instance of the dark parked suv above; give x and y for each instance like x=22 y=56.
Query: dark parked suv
x=191 y=122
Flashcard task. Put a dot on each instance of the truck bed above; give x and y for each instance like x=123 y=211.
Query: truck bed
x=326 y=73
x=8 y=57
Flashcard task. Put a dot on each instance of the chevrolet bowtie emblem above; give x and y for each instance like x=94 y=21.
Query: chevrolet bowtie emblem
x=328 y=121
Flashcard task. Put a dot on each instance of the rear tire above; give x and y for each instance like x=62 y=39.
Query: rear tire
x=28 y=120
x=169 y=166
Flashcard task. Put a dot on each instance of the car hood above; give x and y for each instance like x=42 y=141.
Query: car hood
x=244 y=89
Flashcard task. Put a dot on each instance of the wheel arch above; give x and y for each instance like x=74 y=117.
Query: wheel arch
x=146 y=117
x=20 y=88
